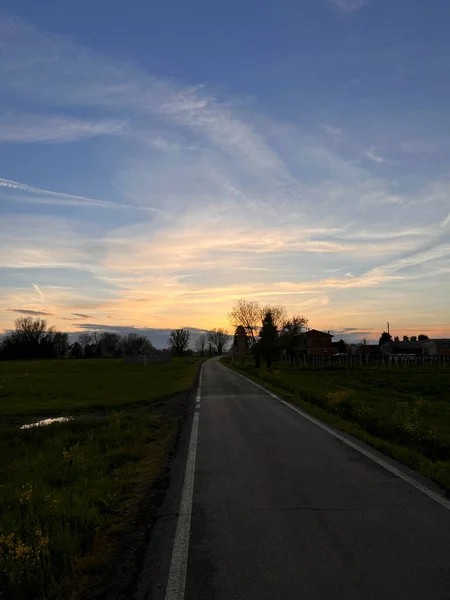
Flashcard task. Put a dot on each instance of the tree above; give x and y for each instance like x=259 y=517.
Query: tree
x=32 y=331
x=84 y=339
x=413 y=338
x=179 y=341
x=218 y=338
x=292 y=336
x=385 y=337
x=134 y=344
x=405 y=338
x=110 y=344
x=60 y=344
x=31 y=338
x=246 y=314
x=279 y=315
x=76 y=350
x=200 y=344
x=268 y=338
x=396 y=339
x=422 y=337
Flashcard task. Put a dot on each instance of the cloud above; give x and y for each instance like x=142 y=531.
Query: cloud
x=38 y=290
x=349 y=5
x=249 y=206
x=158 y=337
x=374 y=156
x=34 y=313
x=446 y=221
x=28 y=128
x=41 y=196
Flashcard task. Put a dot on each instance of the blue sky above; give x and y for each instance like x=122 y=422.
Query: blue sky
x=160 y=160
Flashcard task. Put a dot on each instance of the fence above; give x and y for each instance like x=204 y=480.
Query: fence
x=389 y=361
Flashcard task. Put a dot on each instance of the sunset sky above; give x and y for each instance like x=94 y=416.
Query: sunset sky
x=159 y=160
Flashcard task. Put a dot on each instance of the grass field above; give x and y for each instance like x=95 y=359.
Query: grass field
x=404 y=412
x=64 y=486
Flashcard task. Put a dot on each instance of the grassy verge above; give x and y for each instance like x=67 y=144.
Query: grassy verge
x=64 y=486
x=406 y=415
x=35 y=388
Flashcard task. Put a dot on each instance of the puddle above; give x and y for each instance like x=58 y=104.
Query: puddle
x=44 y=422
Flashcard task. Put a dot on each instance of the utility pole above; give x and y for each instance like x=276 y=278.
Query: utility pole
x=388 y=328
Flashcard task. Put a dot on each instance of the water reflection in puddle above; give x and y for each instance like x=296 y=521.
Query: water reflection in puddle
x=43 y=422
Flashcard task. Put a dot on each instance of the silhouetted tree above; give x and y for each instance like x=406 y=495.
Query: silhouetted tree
x=110 y=344
x=246 y=314
x=423 y=337
x=60 y=344
x=385 y=337
x=31 y=338
x=218 y=338
x=179 y=341
x=76 y=350
x=268 y=338
x=134 y=344
x=200 y=344
x=405 y=338
x=413 y=338
x=396 y=339
x=292 y=337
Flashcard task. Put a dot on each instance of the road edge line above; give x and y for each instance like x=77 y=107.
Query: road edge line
x=416 y=484
x=176 y=582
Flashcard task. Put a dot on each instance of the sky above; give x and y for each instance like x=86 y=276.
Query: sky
x=160 y=160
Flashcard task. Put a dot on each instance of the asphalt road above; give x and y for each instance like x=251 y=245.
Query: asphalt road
x=282 y=509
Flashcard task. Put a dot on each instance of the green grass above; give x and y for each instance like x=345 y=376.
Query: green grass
x=63 y=387
x=64 y=485
x=404 y=412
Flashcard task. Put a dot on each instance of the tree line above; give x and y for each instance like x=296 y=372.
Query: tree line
x=268 y=331
x=387 y=337
x=34 y=339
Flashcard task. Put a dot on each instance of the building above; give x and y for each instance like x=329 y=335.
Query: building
x=371 y=350
x=319 y=343
x=404 y=348
x=440 y=347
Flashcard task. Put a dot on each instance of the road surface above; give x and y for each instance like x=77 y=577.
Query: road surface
x=282 y=509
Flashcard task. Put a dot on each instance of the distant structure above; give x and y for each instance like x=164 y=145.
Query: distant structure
x=319 y=343
x=439 y=347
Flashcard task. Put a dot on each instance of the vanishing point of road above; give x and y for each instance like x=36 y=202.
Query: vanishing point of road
x=274 y=505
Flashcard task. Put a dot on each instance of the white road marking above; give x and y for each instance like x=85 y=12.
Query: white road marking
x=419 y=486
x=176 y=582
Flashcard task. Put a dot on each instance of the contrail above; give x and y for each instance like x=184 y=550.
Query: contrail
x=52 y=197
x=36 y=287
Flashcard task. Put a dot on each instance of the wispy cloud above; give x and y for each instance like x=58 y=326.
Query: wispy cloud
x=82 y=316
x=31 y=313
x=38 y=195
x=29 y=128
x=349 y=5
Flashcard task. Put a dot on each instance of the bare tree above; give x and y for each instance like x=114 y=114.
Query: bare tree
x=60 y=344
x=247 y=314
x=292 y=336
x=179 y=340
x=219 y=338
x=32 y=331
x=200 y=344
x=84 y=339
x=110 y=344
x=278 y=314
x=134 y=344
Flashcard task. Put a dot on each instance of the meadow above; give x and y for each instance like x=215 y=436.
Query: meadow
x=404 y=412
x=69 y=491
